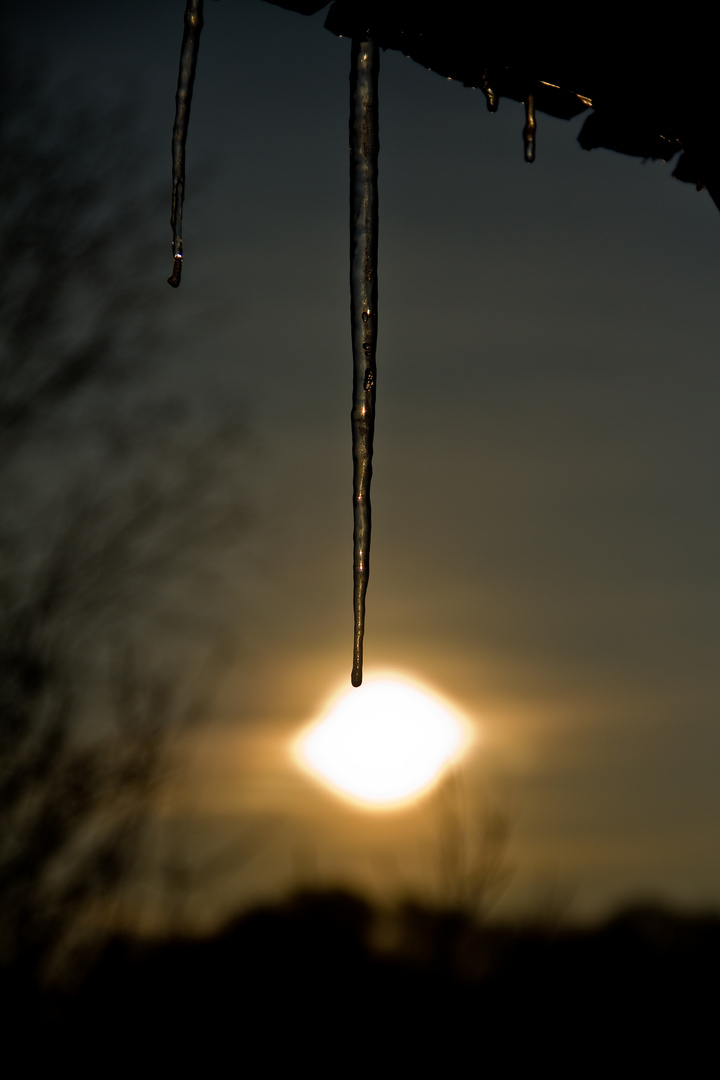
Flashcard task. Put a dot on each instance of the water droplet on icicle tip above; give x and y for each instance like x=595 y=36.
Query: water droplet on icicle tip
x=193 y=24
x=529 y=129
x=174 y=278
x=364 y=146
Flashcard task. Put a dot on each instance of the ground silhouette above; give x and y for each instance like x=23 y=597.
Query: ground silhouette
x=324 y=979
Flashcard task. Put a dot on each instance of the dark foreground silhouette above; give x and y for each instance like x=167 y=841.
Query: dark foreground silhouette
x=324 y=981
x=649 y=81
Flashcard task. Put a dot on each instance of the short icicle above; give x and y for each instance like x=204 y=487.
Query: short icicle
x=364 y=146
x=529 y=129
x=183 y=101
x=490 y=95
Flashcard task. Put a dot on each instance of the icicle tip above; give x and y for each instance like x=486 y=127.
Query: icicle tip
x=356 y=674
x=174 y=278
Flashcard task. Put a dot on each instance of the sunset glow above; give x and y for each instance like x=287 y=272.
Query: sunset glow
x=383 y=744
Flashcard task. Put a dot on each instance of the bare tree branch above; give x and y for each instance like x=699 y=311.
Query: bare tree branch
x=83 y=743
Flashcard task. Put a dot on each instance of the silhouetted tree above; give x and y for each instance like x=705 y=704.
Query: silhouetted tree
x=472 y=846
x=97 y=517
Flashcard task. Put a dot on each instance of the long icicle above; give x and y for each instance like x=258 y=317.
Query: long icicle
x=364 y=146
x=183 y=101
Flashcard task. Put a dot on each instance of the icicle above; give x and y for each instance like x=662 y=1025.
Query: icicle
x=529 y=129
x=183 y=101
x=490 y=95
x=364 y=145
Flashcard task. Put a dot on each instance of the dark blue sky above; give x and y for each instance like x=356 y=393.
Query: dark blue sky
x=546 y=502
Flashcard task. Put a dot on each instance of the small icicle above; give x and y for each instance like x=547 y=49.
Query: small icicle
x=364 y=145
x=490 y=95
x=529 y=129
x=183 y=101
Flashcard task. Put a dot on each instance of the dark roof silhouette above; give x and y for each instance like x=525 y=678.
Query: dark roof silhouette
x=639 y=78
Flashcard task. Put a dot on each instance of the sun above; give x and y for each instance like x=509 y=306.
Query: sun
x=384 y=744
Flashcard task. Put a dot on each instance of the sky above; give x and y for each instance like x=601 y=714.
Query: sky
x=545 y=497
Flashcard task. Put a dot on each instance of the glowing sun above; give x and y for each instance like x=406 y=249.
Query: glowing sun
x=383 y=744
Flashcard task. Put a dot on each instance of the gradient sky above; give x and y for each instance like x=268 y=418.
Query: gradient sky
x=546 y=503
